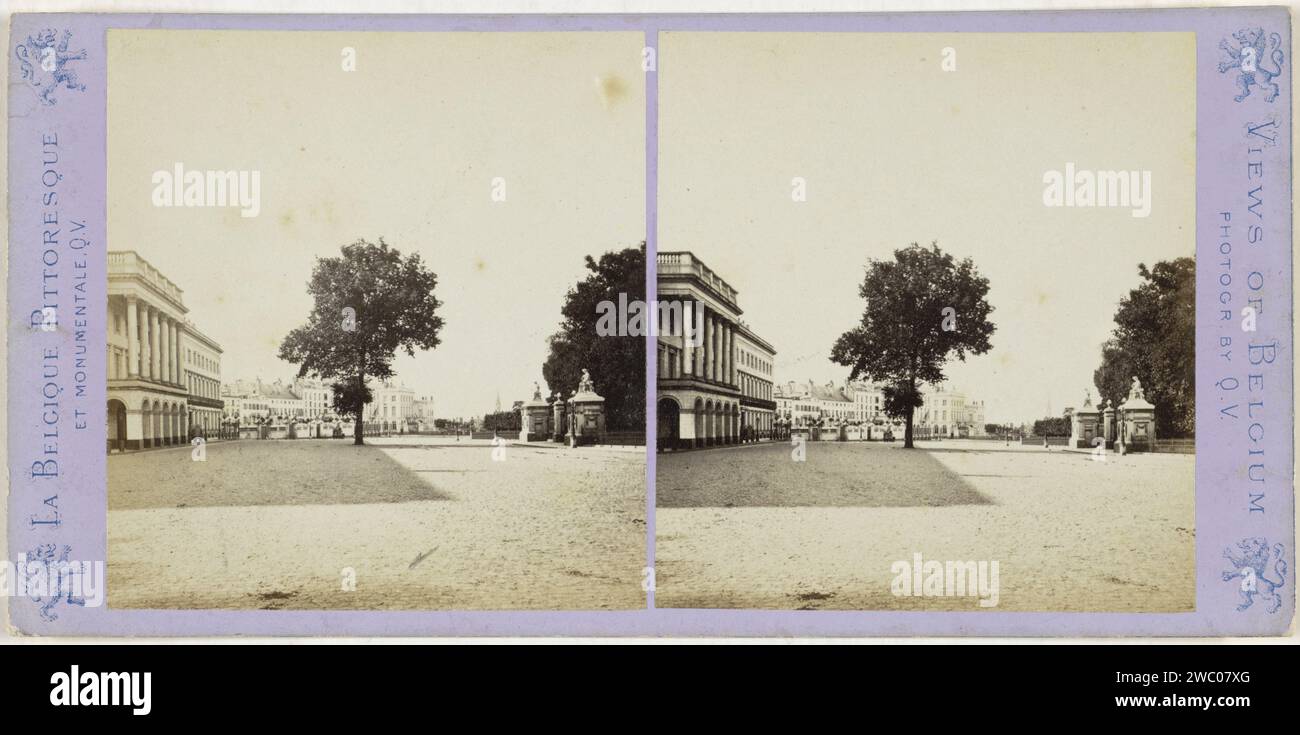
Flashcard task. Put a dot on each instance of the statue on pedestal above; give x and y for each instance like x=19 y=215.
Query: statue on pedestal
x=584 y=384
x=1135 y=390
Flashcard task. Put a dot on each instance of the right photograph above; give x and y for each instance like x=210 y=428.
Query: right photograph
x=927 y=334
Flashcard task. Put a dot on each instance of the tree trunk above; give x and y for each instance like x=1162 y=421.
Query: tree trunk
x=907 y=431
x=358 y=430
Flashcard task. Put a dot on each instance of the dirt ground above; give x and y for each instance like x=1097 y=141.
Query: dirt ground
x=419 y=523
x=747 y=527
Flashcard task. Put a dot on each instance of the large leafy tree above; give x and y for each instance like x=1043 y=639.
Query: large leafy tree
x=906 y=335
x=369 y=302
x=617 y=364
x=1155 y=340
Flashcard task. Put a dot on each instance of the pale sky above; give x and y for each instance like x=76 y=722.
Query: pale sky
x=894 y=150
x=405 y=147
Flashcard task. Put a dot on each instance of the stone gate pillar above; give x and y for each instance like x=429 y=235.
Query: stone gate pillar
x=1139 y=420
x=1108 y=423
x=558 y=429
x=1083 y=425
x=587 y=424
x=535 y=418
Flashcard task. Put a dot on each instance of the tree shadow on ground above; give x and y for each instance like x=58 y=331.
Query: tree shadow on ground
x=265 y=473
x=833 y=474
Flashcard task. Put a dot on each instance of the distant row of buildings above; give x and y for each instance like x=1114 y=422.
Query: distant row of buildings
x=254 y=400
x=164 y=374
x=944 y=412
x=716 y=383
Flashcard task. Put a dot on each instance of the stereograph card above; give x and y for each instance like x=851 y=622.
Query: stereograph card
x=651 y=325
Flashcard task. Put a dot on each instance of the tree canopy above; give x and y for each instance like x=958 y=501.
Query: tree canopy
x=503 y=421
x=923 y=308
x=1155 y=340
x=370 y=301
x=617 y=364
x=1053 y=426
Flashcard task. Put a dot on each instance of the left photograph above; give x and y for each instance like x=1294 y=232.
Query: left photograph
x=354 y=351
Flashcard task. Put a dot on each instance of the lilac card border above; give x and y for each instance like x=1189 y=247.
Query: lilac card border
x=1223 y=462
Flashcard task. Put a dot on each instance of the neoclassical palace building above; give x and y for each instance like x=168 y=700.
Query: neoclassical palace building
x=164 y=375
x=715 y=387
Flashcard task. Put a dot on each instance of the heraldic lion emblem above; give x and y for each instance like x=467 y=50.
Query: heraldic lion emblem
x=1250 y=563
x=1248 y=56
x=57 y=587
x=45 y=66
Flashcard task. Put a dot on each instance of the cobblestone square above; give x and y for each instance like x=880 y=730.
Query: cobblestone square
x=747 y=527
x=423 y=523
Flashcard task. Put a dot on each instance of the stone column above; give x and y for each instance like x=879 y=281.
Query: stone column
x=168 y=351
x=146 y=334
x=688 y=357
x=731 y=354
x=132 y=338
x=173 y=375
x=144 y=341
x=723 y=326
x=715 y=349
x=728 y=375
x=160 y=350
x=725 y=338
x=688 y=350
x=681 y=357
x=155 y=343
x=145 y=354
x=151 y=337
x=165 y=336
x=710 y=346
x=159 y=344
x=177 y=377
x=702 y=350
x=722 y=350
x=180 y=354
x=164 y=347
x=706 y=346
x=705 y=369
x=697 y=353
